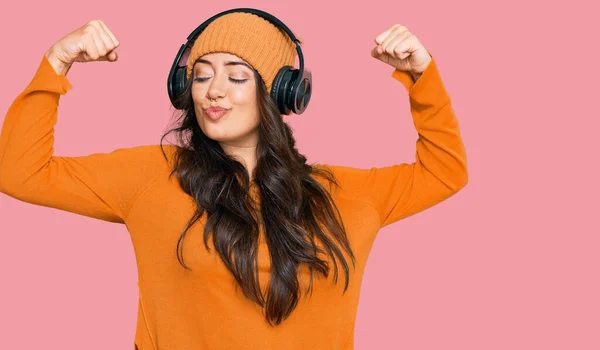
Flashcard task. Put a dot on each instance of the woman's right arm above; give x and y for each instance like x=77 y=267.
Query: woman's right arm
x=101 y=185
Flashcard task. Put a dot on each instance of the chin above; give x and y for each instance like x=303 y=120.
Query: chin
x=224 y=132
x=216 y=134
x=220 y=134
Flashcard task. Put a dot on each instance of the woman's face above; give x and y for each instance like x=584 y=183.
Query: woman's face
x=224 y=95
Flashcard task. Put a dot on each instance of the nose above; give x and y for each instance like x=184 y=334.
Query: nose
x=217 y=87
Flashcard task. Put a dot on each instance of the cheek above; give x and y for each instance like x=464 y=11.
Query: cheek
x=245 y=101
x=243 y=96
x=198 y=93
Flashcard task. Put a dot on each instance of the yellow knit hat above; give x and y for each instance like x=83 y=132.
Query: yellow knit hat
x=257 y=41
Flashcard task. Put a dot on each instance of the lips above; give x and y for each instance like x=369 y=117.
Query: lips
x=215 y=113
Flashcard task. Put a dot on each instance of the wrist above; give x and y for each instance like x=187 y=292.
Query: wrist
x=60 y=67
x=415 y=76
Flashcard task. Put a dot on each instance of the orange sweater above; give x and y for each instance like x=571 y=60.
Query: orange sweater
x=203 y=309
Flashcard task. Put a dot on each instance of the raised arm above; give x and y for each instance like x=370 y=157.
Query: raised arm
x=103 y=186
x=440 y=167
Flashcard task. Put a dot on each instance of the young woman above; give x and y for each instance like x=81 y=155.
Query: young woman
x=239 y=242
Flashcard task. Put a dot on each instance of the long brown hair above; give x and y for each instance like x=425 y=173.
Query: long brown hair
x=294 y=210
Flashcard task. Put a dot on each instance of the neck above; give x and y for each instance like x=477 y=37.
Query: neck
x=246 y=154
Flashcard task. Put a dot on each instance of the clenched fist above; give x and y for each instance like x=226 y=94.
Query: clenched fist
x=401 y=49
x=91 y=42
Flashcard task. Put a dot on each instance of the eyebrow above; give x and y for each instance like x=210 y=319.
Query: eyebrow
x=228 y=63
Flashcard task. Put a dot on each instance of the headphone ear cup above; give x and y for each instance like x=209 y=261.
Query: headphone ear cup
x=180 y=79
x=176 y=85
x=290 y=91
x=302 y=93
x=279 y=88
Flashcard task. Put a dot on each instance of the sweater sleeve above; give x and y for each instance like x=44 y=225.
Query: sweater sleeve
x=439 y=170
x=101 y=185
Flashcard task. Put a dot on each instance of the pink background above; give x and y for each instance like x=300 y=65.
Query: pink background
x=511 y=262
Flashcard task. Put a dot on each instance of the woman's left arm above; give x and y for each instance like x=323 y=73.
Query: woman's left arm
x=440 y=167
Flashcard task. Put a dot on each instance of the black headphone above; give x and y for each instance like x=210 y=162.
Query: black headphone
x=291 y=88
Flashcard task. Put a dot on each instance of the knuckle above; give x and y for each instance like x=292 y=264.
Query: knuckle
x=89 y=29
x=401 y=29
